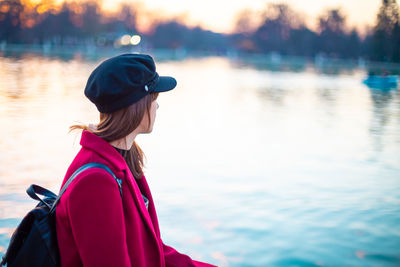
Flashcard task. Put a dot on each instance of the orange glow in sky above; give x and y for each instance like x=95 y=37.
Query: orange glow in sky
x=220 y=15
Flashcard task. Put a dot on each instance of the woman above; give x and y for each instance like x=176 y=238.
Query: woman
x=96 y=224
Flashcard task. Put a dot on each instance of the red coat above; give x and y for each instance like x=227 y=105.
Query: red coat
x=96 y=228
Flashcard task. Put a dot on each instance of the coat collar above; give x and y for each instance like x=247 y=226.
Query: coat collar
x=137 y=187
x=104 y=149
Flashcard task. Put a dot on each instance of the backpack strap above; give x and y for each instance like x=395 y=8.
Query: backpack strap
x=78 y=171
x=34 y=189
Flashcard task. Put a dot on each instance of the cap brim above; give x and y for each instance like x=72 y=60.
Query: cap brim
x=165 y=83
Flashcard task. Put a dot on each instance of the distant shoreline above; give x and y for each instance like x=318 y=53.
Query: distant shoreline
x=272 y=59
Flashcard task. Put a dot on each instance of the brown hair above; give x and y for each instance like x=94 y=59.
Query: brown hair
x=120 y=123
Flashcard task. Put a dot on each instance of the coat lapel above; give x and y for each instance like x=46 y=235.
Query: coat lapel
x=106 y=151
x=144 y=188
x=137 y=195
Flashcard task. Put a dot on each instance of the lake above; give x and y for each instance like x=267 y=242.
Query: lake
x=249 y=164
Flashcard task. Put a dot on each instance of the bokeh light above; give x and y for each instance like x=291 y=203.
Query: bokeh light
x=125 y=39
x=135 y=39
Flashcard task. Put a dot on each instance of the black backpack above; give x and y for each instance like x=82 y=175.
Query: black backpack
x=34 y=242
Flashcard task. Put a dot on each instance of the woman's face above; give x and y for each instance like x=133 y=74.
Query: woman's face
x=145 y=121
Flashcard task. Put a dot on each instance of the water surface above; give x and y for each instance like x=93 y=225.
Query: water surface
x=248 y=165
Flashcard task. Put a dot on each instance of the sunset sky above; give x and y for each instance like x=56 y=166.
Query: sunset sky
x=220 y=15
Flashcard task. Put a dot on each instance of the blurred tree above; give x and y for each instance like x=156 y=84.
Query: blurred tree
x=175 y=35
x=332 y=37
x=128 y=15
x=56 y=27
x=10 y=23
x=284 y=31
x=385 y=43
x=91 y=20
x=169 y=34
x=122 y=22
x=245 y=22
x=353 y=45
x=388 y=16
x=396 y=42
x=245 y=26
x=302 y=42
x=333 y=21
x=278 y=22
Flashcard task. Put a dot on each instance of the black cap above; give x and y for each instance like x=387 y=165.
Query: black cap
x=123 y=80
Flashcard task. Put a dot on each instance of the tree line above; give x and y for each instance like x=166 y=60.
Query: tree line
x=280 y=29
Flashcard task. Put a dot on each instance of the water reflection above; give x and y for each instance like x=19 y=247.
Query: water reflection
x=383 y=114
x=256 y=159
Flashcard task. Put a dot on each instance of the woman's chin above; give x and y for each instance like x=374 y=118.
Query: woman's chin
x=150 y=130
